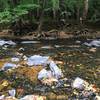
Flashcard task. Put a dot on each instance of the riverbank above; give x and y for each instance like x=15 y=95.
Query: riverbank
x=72 y=32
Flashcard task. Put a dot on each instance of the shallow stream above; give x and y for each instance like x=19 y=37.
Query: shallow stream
x=77 y=60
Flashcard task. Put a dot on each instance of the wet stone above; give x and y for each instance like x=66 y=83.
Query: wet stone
x=41 y=89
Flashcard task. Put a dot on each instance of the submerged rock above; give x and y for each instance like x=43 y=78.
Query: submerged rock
x=78 y=83
x=3 y=84
x=15 y=59
x=12 y=92
x=9 y=66
x=27 y=42
x=46 y=47
x=10 y=98
x=37 y=60
x=33 y=97
x=95 y=43
x=3 y=42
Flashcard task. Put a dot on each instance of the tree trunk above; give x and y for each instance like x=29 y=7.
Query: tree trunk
x=38 y=2
x=78 y=14
x=54 y=13
x=85 y=11
x=41 y=19
x=15 y=2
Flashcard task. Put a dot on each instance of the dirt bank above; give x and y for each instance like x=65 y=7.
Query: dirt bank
x=68 y=33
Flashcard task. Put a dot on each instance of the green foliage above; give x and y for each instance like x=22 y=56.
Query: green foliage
x=73 y=4
x=10 y=10
x=23 y=9
x=5 y=17
x=27 y=6
x=94 y=10
x=11 y=15
x=55 y=4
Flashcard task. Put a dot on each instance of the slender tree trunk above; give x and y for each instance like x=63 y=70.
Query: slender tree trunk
x=40 y=23
x=54 y=13
x=30 y=15
x=38 y=2
x=41 y=18
x=15 y=2
x=85 y=11
x=78 y=14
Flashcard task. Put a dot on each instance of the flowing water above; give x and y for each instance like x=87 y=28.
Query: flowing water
x=77 y=59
